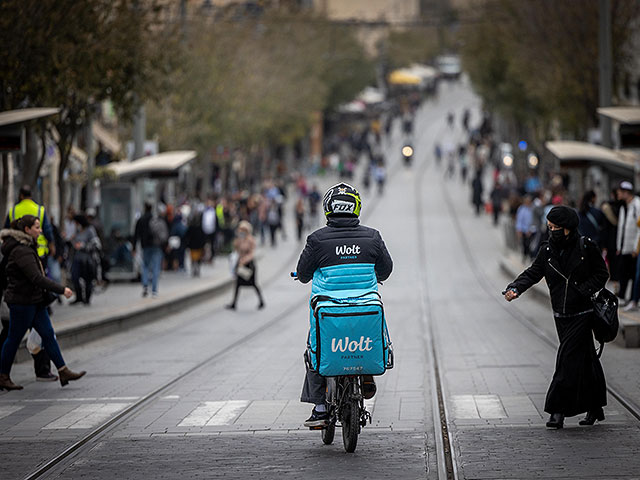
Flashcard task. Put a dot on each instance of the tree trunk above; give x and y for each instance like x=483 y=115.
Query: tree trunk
x=5 y=187
x=65 y=151
x=31 y=163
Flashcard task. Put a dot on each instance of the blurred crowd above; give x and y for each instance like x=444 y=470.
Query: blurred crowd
x=613 y=223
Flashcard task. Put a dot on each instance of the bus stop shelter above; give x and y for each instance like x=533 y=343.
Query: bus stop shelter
x=132 y=184
x=591 y=167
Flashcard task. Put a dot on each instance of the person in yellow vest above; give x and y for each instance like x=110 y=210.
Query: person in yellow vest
x=46 y=246
x=26 y=206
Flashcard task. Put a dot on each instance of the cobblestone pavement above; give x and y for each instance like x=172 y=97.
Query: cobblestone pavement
x=235 y=412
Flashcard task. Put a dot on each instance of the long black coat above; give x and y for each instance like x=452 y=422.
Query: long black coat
x=578 y=383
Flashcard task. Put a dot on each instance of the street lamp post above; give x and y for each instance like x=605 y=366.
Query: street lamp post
x=605 y=67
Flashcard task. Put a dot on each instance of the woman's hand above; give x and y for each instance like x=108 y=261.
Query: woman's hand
x=67 y=292
x=510 y=295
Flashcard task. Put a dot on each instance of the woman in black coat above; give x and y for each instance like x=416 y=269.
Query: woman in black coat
x=574 y=270
x=26 y=295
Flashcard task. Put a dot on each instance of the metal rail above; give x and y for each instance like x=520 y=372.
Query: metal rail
x=77 y=447
x=445 y=453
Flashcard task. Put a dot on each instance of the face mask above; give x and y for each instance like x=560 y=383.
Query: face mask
x=557 y=235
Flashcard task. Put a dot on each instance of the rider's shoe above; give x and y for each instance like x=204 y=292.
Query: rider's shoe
x=317 y=419
x=368 y=386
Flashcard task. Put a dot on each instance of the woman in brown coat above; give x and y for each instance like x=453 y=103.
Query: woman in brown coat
x=27 y=298
x=245 y=271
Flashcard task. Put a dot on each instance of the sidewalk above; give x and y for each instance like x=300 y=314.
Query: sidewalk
x=629 y=334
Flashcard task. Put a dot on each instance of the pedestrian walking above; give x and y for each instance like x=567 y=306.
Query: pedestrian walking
x=497 y=196
x=27 y=294
x=574 y=270
x=628 y=236
x=83 y=268
x=380 y=175
x=476 y=185
x=209 y=227
x=195 y=240
x=524 y=222
x=591 y=218
x=300 y=217
x=152 y=233
x=176 y=245
x=245 y=270
x=46 y=247
x=437 y=153
x=273 y=220
x=611 y=210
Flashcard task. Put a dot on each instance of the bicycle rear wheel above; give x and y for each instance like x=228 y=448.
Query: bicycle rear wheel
x=350 y=425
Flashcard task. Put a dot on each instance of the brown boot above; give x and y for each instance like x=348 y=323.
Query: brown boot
x=66 y=375
x=7 y=384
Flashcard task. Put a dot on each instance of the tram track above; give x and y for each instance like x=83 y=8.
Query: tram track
x=69 y=454
x=92 y=437
x=445 y=453
x=515 y=312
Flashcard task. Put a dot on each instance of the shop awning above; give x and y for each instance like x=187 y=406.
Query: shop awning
x=370 y=95
x=404 y=77
x=162 y=164
x=582 y=153
x=628 y=115
x=425 y=72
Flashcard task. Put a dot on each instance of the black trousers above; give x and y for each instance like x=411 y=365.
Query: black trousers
x=313 y=389
x=627 y=271
x=41 y=360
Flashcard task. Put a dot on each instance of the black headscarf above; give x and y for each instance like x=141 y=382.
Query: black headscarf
x=564 y=217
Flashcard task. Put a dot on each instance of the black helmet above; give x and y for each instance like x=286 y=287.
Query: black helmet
x=342 y=199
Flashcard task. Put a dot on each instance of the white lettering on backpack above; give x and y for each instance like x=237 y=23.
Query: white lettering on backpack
x=343 y=344
x=348 y=250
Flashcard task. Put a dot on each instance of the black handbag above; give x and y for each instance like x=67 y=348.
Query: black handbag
x=605 y=313
x=605 y=309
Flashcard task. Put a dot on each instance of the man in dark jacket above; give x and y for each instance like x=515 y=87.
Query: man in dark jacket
x=346 y=243
x=152 y=233
x=574 y=270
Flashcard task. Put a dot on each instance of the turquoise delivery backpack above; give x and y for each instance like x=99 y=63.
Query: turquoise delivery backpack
x=348 y=335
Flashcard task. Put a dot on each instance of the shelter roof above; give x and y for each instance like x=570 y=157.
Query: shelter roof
x=629 y=115
x=12 y=117
x=569 y=151
x=165 y=163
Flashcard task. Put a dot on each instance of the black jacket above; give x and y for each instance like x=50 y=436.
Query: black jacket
x=323 y=247
x=143 y=232
x=571 y=276
x=26 y=281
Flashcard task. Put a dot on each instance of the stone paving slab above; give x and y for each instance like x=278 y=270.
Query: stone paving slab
x=234 y=456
